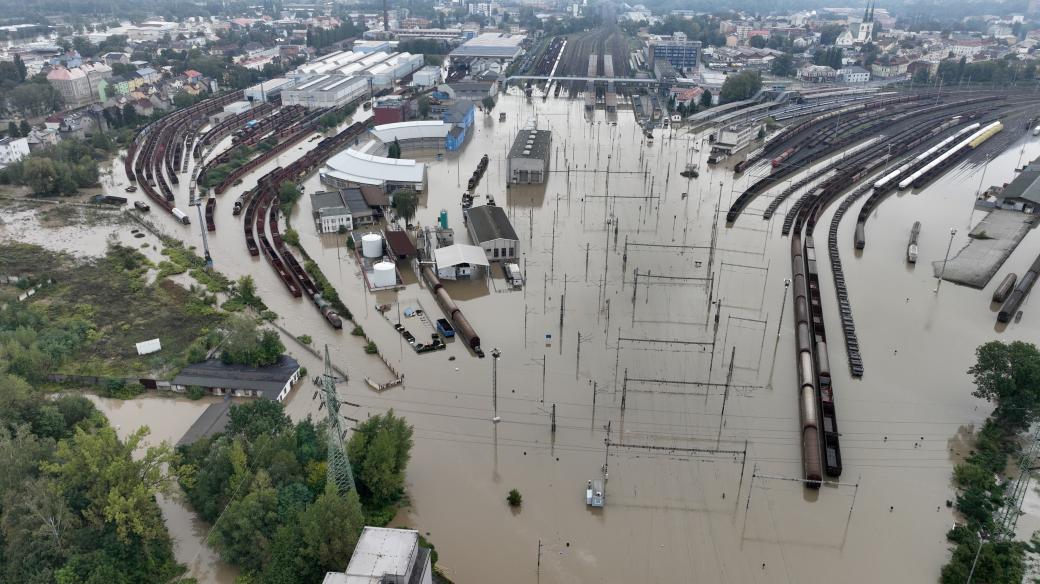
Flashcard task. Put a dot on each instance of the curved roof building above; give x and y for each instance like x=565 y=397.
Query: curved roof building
x=356 y=167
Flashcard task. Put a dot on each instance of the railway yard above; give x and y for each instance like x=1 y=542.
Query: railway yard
x=670 y=337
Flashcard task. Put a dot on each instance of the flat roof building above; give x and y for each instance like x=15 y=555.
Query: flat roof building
x=682 y=54
x=489 y=227
x=386 y=556
x=529 y=157
x=1023 y=193
x=266 y=90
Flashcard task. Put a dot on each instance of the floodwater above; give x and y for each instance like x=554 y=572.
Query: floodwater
x=694 y=493
x=168 y=418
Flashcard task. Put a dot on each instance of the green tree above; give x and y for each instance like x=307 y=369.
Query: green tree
x=379 y=451
x=24 y=128
x=41 y=175
x=740 y=86
x=330 y=529
x=246 y=345
x=424 y=106
x=706 y=98
x=1008 y=375
x=405 y=202
x=257 y=418
x=488 y=102
x=117 y=483
x=782 y=66
x=12 y=130
x=244 y=533
x=757 y=41
x=395 y=149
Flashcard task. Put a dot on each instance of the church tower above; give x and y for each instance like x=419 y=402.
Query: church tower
x=866 y=28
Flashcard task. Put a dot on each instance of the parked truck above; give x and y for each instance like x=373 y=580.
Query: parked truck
x=181 y=216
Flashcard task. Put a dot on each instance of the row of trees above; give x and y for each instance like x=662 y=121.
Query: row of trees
x=262 y=484
x=1007 y=375
x=320 y=38
x=999 y=71
x=246 y=345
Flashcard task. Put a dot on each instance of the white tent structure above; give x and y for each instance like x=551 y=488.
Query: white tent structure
x=459 y=261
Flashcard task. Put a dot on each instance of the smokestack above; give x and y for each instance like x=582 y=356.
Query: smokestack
x=386 y=18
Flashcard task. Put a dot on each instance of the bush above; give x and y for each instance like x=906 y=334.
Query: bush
x=305 y=339
x=120 y=389
x=514 y=498
x=371 y=348
x=196 y=392
x=358 y=331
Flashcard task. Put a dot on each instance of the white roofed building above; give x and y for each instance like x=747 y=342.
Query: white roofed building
x=386 y=556
x=357 y=167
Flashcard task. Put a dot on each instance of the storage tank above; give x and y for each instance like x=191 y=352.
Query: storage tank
x=384 y=274
x=444 y=218
x=372 y=245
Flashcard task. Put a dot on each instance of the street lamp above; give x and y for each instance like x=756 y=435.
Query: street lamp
x=495 y=354
x=953 y=231
x=780 y=322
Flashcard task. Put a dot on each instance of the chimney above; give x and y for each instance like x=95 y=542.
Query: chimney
x=386 y=18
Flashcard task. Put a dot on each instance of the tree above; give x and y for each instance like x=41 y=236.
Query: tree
x=706 y=99
x=117 y=483
x=921 y=76
x=405 y=202
x=379 y=451
x=24 y=128
x=12 y=130
x=488 y=102
x=246 y=287
x=740 y=86
x=395 y=149
x=288 y=194
x=1008 y=374
x=257 y=418
x=514 y=498
x=245 y=530
x=829 y=33
x=246 y=345
x=757 y=41
x=41 y=175
x=782 y=66
x=330 y=529
x=424 y=106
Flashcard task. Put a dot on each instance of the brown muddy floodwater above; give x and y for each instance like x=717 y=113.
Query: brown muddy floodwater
x=168 y=418
x=683 y=504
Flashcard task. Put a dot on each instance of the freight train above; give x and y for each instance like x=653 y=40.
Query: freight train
x=1018 y=295
x=462 y=325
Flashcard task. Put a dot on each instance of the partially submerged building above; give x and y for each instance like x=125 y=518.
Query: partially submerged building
x=272 y=382
x=386 y=556
x=357 y=167
x=1023 y=193
x=341 y=208
x=489 y=227
x=529 y=157
x=459 y=262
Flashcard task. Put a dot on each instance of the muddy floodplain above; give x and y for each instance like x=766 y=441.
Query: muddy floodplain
x=667 y=366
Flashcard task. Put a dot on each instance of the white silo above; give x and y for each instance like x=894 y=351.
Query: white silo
x=372 y=245
x=384 y=274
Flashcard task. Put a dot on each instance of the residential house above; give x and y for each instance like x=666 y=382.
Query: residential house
x=854 y=74
x=13 y=150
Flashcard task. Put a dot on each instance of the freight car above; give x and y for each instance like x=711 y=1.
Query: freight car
x=1005 y=288
x=1018 y=295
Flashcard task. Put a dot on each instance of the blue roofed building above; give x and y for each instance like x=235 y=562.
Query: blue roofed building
x=460 y=115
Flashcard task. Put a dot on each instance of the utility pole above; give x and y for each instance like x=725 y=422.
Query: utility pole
x=953 y=232
x=495 y=354
x=553 y=418
x=780 y=322
x=725 y=397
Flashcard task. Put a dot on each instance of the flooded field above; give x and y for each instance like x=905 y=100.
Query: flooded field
x=700 y=457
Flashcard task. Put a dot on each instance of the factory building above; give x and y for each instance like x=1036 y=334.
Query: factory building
x=490 y=51
x=327 y=91
x=529 y=156
x=268 y=90
x=489 y=227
